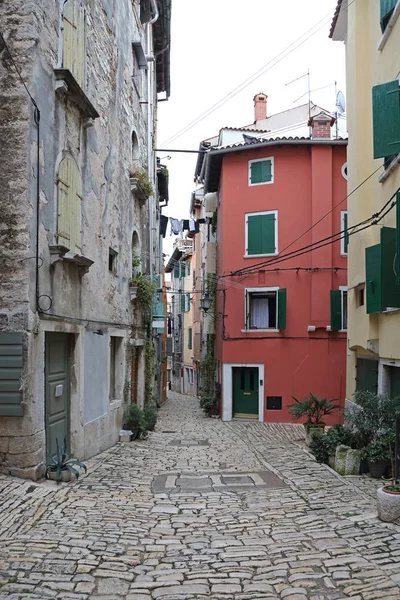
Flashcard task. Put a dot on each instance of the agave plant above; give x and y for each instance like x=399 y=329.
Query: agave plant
x=62 y=463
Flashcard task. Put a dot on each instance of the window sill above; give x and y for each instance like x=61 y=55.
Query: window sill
x=60 y=253
x=67 y=84
x=260 y=330
x=395 y=163
x=261 y=183
x=258 y=255
x=390 y=25
x=390 y=311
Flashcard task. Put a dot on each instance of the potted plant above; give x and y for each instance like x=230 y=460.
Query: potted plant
x=313 y=410
x=388 y=502
x=135 y=421
x=62 y=467
x=136 y=277
x=324 y=447
x=378 y=454
x=150 y=416
x=141 y=184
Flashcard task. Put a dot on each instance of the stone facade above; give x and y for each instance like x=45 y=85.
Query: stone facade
x=104 y=129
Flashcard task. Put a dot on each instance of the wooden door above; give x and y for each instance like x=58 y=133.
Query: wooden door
x=57 y=391
x=245 y=392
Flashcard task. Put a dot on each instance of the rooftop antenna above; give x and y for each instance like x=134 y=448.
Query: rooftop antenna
x=308 y=88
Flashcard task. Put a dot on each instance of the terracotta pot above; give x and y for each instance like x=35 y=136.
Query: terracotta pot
x=388 y=504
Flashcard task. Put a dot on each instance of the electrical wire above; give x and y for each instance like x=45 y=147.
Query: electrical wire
x=18 y=71
x=269 y=65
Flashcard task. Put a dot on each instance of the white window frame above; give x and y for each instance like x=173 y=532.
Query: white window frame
x=271 y=158
x=260 y=289
x=342 y=213
x=246 y=236
x=344 y=288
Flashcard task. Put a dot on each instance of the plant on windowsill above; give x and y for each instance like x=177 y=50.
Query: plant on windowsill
x=313 y=410
x=140 y=183
x=62 y=467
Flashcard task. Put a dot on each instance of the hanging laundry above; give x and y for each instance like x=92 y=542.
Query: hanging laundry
x=207 y=220
x=163 y=225
x=176 y=226
x=185 y=224
x=192 y=225
x=196 y=227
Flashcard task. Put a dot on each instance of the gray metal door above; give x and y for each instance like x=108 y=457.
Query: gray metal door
x=57 y=391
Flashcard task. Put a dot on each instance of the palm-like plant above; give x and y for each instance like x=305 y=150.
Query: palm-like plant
x=62 y=462
x=313 y=410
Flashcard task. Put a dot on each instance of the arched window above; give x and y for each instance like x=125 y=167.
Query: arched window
x=136 y=255
x=74 y=42
x=135 y=152
x=69 y=198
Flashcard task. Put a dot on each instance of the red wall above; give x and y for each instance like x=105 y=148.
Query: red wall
x=307 y=184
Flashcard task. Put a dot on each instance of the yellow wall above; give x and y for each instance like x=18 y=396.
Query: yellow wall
x=366 y=67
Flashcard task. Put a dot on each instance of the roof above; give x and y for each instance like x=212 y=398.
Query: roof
x=175 y=256
x=270 y=141
x=335 y=17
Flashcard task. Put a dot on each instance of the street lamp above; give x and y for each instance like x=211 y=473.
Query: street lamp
x=205 y=302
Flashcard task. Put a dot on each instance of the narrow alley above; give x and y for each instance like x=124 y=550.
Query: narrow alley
x=201 y=509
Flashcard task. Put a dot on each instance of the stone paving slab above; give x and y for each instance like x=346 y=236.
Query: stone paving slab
x=222 y=534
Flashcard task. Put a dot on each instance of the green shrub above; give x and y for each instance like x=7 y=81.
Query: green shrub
x=381 y=448
x=209 y=404
x=324 y=446
x=150 y=417
x=312 y=409
x=135 y=419
x=373 y=417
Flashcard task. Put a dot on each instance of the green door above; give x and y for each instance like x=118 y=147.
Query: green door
x=57 y=391
x=245 y=392
x=394 y=382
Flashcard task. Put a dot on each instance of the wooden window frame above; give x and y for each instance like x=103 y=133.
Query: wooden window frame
x=265 y=159
x=261 y=290
x=246 y=241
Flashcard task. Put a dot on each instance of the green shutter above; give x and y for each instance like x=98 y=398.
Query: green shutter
x=373 y=278
x=268 y=245
x=176 y=270
x=390 y=289
x=11 y=365
x=366 y=375
x=190 y=338
x=256 y=172
x=282 y=308
x=261 y=234
x=188 y=269
x=336 y=310
x=183 y=269
x=266 y=170
x=187 y=302
x=246 y=310
x=183 y=302
x=397 y=262
x=346 y=235
x=386 y=119
x=387 y=7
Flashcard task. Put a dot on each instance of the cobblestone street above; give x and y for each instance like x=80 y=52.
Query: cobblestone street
x=201 y=509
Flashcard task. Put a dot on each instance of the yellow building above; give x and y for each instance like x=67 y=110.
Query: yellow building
x=371 y=32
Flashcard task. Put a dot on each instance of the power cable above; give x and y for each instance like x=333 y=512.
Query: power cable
x=18 y=71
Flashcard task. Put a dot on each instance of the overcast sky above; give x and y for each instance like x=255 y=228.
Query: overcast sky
x=218 y=44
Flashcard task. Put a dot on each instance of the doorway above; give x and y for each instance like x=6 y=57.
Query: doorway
x=57 y=391
x=245 y=392
x=135 y=377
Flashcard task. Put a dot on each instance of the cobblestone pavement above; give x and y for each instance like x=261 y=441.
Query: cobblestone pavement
x=201 y=509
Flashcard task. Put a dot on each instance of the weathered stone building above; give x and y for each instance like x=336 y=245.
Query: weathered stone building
x=73 y=143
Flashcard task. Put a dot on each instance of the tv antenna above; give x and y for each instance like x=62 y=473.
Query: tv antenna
x=308 y=88
x=340 y=108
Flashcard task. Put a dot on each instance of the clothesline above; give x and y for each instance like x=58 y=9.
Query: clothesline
x=177 y=226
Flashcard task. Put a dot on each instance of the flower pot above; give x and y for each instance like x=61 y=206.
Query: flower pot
x=364 y=466
x=313 y=430
x=388 y=504
x=377 y=468
x=65 y=475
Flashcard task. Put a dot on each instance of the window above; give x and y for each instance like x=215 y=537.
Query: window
x=11 y=368
x=344 y=242
x=183 y=302
x=187 y=302
x=261 y=171
x=112 y=260
x=386 y=119
x=339 y=309
x=74 y=51
x=360 y=296
x=382 y=289
x=387 y=8
x=177 y=271
x=190 y=336
x=262 y=233
x=116 y=344
x=265 y=308
x=69 y=198
x=366 y=375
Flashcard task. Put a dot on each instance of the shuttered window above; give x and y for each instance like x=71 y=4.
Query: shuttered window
x=177 y=268
x=187 y=302
x=190 y=335
x=261 y=233
x=398 y=238
x=344 y=242
x=339 y=310
x=11 y=365
x=261 y=171
x=386 y=118
x=265 y=309
x=366 y=375
x=69 y=206
x=183 y=302
x=387 y=7
x=382 y=289
x=74 y=51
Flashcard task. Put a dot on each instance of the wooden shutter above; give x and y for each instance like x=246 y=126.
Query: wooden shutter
x=183 y=269
x=390 y=288
x=190 y=334
x=187 y=302
x=176 y=270
x=246 y=310
x=268 y=242
x=387 y=7
x=254 y=234
x=266 y=170
x=366 y=375
x=69 y=205
x=11 y=365
x=336 y=310
x=386 y=119
x=256 y=172
x=346 y=235
x=74 y=40
x=397 y=261
x=373 y=281
x=183 y=302
x=281 y=295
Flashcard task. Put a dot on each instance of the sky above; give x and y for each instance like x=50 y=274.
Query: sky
x=216 y=45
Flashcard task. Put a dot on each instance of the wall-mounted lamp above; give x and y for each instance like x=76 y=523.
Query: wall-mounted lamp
x=205 y=302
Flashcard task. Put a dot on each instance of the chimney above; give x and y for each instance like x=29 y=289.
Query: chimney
x=321 y=126
x=260 y=107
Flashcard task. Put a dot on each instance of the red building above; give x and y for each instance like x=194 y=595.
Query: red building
x=281 y=319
